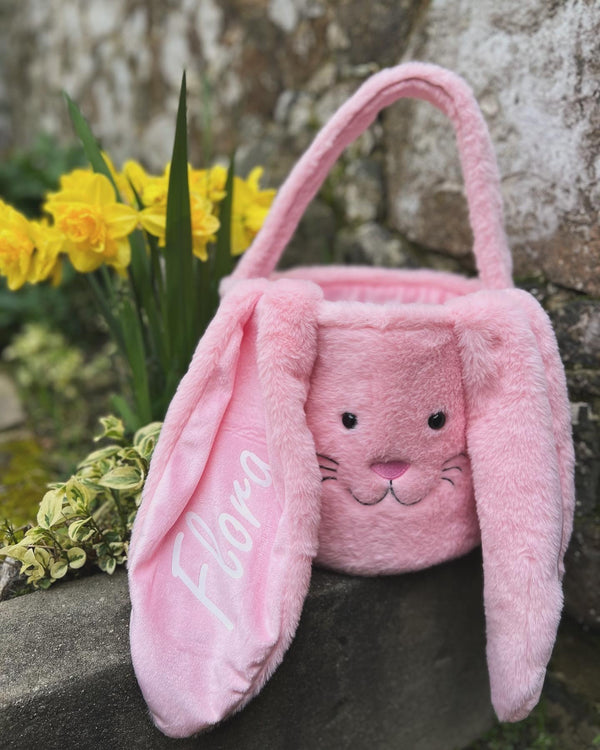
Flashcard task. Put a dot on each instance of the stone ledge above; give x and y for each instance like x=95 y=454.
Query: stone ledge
x=395 y=662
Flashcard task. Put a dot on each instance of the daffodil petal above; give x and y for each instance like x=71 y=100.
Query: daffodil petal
x=101 y=192
x=153 y=221
x=120 y=219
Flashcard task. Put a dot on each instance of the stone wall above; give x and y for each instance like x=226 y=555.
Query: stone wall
x=275 y=71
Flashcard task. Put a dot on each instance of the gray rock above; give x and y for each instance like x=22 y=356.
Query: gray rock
x=11 y=411
x=376 y=663
x=371 y=244
x=313 y=241
x=361 y=193
x=534 y=69
x=582 y=590
x=9 y=576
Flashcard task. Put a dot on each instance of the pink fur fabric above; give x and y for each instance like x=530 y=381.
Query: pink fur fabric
x=375 y=421
x=221 y=554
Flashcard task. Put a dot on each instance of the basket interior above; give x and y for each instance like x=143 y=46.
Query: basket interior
x=384 y=286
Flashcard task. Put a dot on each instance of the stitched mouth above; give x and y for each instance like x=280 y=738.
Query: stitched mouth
x=402 y=502
x=389 y=490
x=372 y=502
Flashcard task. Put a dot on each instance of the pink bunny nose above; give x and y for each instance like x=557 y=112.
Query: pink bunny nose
x=391 y=469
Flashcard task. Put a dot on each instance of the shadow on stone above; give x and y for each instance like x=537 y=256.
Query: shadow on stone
x=394 y=662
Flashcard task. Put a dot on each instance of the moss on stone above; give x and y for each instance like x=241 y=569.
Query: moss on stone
x=24 y=477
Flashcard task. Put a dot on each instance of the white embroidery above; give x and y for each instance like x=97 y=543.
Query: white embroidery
x=199 y=591
x=231 y=529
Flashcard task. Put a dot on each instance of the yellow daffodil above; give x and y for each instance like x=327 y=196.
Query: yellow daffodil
x=45 y=263
x=120 y=179
x=207 y=190
x=95 y=227
x=250 y=208
x=29 y=250
x=204 y=223
x=209 y=182
x=136 y=176
x=151 y=189
x=16 y=246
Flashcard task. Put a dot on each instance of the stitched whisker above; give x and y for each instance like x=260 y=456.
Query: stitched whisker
x=327 y=468
x=452 y=467
x=447 y=479
x=324 y=479
x=328 y=458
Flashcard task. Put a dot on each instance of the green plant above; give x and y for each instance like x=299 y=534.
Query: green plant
x=86 y=521
x=62 y=388
x=530 y=734
x=26 y=175
x=25 y=471
x=153 y=248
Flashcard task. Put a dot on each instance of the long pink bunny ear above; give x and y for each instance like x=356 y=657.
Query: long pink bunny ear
x=518 y=440
x=221 y=552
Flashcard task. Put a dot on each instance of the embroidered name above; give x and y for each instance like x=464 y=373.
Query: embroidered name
x=232 y=531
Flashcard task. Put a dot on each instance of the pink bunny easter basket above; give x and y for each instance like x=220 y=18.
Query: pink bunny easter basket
x=376 y=421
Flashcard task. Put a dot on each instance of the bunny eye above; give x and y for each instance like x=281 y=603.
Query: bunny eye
x=437 y=421
x=349 y=420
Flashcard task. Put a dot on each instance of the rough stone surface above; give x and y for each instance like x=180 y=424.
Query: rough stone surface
x=9 y=576
x=534 y=68
x=11 y=411
x=378 y=663
x=577 y=324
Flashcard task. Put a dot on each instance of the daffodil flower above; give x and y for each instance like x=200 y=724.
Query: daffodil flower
x=204 y=223
x=16 y=246
x=250 y=208
x=95 y=226
x=45 y=263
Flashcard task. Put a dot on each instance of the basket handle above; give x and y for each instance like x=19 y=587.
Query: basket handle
x=449 y=93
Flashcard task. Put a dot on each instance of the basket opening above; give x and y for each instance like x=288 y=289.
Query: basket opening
x=385 y=286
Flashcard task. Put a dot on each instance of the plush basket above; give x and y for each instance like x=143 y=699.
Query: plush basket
x=378 y=421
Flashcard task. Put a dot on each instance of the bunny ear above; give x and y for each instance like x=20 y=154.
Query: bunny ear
x=222 y=547
x=517 y=440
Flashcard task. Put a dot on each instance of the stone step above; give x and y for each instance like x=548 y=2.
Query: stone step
x=386 y=663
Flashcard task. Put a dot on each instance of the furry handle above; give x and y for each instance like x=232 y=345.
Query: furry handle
x=449 y=93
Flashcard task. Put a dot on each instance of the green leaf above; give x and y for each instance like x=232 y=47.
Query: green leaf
x=106 y=308
x=16 y=551
x=147 y=299
x=89 y=143
x=221 y=262
x=37 y=534
x=109 y=537
x=50 y=511
x=145 y=439
x=224 y=260
x=112 y=428
x=107 y=564
x=79 y=495
x=76 y=557
x=136 y=358
x=79 y=531
x=120 y=405
x=122 y=478
x=42 y=556
x=100 y=455
x=59 y=568
x=178 y=249
x=31 y=562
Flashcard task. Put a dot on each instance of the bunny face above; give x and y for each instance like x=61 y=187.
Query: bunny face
x=386 y=411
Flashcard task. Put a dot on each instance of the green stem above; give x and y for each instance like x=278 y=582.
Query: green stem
x=122 y=517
